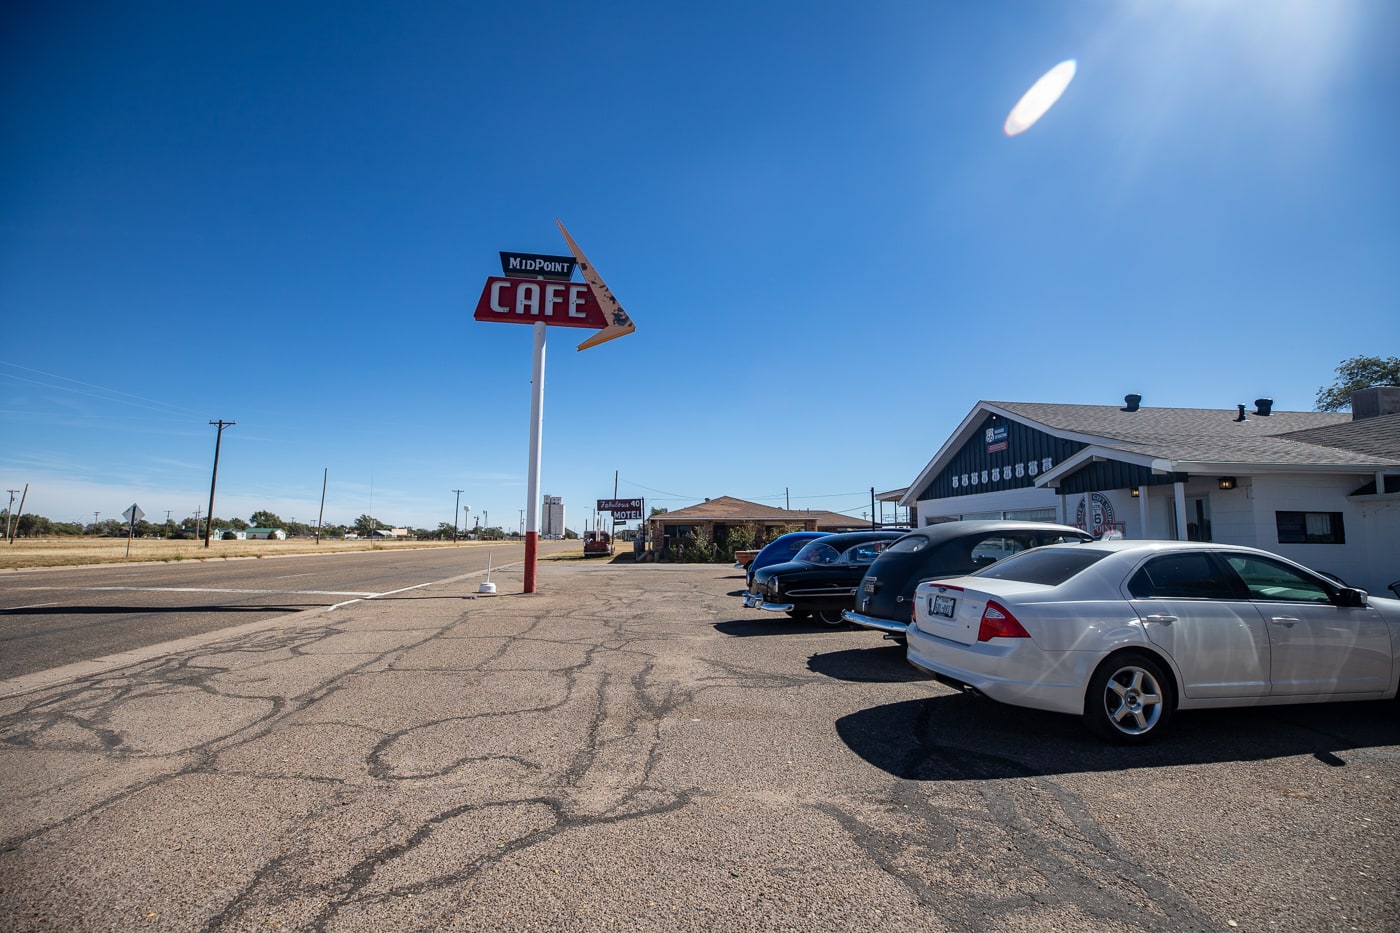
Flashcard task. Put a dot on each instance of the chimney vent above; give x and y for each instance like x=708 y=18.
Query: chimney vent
x=1263 y=406
x=1131 y=402
x=1240 y=416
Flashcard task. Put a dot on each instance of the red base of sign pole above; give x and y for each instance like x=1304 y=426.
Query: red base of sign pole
x=532 y=547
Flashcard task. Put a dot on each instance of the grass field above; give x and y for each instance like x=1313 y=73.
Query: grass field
x=72 y=551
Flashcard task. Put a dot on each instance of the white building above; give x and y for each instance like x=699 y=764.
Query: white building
x=1322 y=488
x=552 y=521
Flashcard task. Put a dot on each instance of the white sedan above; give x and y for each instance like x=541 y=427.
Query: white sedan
x=1123 y=633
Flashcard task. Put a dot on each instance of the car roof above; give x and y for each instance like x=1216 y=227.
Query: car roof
x=848 y=538
x=1120 y=545
x=944 y=531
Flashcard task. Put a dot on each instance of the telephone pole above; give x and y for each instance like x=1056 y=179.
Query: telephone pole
x=10 y=511
x=456 y=507
x=214 y=479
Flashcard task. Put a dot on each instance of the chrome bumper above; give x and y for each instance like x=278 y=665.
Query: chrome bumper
x=875 y=622
x=754 y=601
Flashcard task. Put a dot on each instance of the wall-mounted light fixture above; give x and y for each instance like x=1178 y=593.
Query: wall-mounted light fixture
x=1136 y=492
x=1227 y=482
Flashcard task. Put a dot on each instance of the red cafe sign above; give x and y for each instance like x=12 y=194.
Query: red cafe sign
x=525 y=301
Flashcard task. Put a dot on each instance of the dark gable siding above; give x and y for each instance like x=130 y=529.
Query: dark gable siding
x=1028 y=453
x=1112 y=474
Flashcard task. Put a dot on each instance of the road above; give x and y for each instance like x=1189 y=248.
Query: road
x=55 y=617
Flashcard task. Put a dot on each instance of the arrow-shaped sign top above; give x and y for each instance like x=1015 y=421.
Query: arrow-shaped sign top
x=620 y=324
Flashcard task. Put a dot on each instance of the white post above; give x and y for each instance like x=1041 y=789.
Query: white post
x=532 y=484
x=1180 y=495
x=1142 y=512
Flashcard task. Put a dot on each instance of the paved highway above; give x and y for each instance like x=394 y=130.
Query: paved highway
x=55 y=617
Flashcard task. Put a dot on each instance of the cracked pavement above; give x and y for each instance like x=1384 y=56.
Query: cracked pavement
x=630 y=749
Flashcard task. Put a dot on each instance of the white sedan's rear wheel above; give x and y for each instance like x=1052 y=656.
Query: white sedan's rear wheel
x=1129 y=699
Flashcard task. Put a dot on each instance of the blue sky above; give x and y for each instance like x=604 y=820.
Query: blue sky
x=282 y=214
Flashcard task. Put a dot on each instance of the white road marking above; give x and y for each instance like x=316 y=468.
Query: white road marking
x=206 y=589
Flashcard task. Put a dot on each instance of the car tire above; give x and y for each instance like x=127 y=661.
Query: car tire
x=830 y=617
x=1130 y=699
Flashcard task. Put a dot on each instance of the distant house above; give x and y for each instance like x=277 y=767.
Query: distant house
x=266 y=534
x=717 y=517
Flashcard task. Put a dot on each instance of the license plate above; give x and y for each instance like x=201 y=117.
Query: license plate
x=942 y=606
x=869 y=586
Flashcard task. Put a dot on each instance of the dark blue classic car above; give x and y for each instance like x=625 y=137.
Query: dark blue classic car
x=779 y=551
x=822 y=578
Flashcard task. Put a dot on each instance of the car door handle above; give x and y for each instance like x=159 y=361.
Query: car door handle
x=1160 y=618
x=1286 y=620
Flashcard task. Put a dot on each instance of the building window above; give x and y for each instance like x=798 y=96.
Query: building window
x=1032 y=515
x=1310 y=528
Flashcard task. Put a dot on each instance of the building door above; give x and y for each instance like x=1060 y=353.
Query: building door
x=1198 y=520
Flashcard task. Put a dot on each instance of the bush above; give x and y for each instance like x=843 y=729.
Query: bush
x=697 y=549
x=742 y=538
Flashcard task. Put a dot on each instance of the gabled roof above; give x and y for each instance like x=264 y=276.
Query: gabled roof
x=1186 y=439
x=730 y=509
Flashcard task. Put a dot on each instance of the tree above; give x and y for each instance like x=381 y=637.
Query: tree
x=264 y=519
x=366 y=524
x=1359 y=372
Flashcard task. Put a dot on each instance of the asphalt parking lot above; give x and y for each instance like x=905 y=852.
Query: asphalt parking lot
x=629 y=749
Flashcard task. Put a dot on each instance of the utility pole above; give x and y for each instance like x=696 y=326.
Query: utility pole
x=10 y=511
x=214 y=479
x=94 y=521
x=456 y=507
x=325 y=475
x=22 y=498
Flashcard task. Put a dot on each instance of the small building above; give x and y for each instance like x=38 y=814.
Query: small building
x=265 y=534
x=717 y=517
x=1322 y=488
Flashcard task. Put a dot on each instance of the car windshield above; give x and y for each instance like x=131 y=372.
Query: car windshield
x=1049 y=566
x=818 y=552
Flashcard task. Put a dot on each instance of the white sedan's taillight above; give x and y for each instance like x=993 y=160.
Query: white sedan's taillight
x=998 y=622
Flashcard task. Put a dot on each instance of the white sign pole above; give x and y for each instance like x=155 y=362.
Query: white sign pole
x=532 y=485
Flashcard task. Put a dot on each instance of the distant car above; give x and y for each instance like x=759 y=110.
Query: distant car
x=822 y=578
x=885 y=598
x=780 y=550
x=1124 y=633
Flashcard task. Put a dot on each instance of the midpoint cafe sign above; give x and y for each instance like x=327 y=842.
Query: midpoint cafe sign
x=532 y=265
x=525 y=301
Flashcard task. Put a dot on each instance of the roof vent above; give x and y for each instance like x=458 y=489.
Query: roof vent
x=1263 y=407
x=1375 y=401
x=1240 y=416
x=1131 y=402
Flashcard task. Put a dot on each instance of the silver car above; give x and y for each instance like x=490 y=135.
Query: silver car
x=1123 y=633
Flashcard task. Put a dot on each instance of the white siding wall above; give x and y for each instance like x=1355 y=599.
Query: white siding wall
x=1367 y=525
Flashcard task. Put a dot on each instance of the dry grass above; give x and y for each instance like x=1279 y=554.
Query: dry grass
x=69 y=552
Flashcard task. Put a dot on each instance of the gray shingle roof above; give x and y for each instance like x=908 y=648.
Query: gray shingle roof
x=1210 y=435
